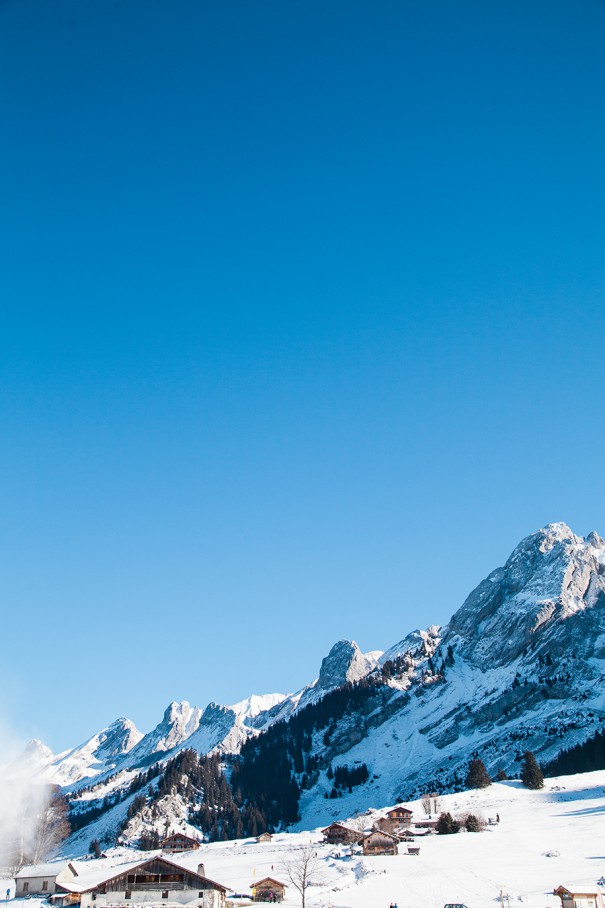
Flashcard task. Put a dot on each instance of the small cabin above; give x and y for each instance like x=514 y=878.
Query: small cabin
x=179 y=842
x=268 y=890
x=264 y=837
x=380 y=842
x=339 y=834
x=579 y=897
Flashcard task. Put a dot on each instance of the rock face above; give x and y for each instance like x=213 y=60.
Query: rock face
x=180 y=721
x=418 y=644
x=549 y=594
x=344 y=663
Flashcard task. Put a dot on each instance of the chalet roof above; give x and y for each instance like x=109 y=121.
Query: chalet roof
x=94 y=873
x=179 y=836
x=578 y=890
x=337 y=826
x=267 y=879
x=380 y=832
x=400 y=808
x=124 y=869
x=52 y=868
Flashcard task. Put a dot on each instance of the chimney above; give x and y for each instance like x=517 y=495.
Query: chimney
x=201 y=870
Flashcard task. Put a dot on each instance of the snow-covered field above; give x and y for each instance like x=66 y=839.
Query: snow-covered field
x=544 y=839
x=564 y=819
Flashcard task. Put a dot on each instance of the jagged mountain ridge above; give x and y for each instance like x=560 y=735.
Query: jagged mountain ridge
x=520 y=664
x=121 y=749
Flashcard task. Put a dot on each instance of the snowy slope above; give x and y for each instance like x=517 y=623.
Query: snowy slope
x=544 y=839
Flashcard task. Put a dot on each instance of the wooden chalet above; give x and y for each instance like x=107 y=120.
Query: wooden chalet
x=398 y=818
x=156 y=880
x=380 y=842
x=339 y=834
x=179 y=842
x=264 y=837
x=268 y=890
x=579 y=897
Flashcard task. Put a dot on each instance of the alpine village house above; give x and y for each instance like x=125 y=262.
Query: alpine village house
x=156 y=881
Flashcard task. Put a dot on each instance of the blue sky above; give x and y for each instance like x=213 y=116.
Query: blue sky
x=302 y=330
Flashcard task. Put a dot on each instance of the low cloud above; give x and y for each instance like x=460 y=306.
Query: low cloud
x=23 y=799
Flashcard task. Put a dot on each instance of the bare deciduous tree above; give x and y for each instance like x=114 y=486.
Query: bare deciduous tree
x=51 y=826
x=358 y=824
x=430 y=803
x=302 y=868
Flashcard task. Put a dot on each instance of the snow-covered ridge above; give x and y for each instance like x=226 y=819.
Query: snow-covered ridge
x=522 y=660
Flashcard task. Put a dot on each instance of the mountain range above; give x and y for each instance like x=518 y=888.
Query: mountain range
x=519 y=666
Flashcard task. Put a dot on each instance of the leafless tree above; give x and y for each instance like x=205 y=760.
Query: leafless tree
x=50 y=825
x=302 y=868
x=430 y=803
x=358 y=824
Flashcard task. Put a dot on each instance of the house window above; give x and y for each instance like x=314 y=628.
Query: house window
x=200 y=895
x=44 y=885
x=165 y=894
x=25 y=887
x=128 y=894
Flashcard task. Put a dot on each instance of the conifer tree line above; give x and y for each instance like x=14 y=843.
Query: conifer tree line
x=585 y=757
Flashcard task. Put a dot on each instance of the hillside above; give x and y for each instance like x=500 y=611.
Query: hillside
x=544 y=838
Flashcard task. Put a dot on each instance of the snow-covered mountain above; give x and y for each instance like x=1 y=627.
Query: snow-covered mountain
x=520 y=665
x=121 y=747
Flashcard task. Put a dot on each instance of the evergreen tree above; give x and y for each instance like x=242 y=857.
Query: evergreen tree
x=477 y=776
x=531 y=774
x=95 y=848
x=472 y=823
x=446 y=825
x=501 y=775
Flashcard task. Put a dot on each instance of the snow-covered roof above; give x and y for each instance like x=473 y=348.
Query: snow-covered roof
x=92 y=873
x=94 y=876
x=52 y=868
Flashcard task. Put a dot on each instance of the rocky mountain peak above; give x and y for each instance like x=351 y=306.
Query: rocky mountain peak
x=550 y=576
x=344 y=663
x=119 y=738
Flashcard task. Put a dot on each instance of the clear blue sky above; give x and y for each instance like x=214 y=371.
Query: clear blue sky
x=302 y=330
